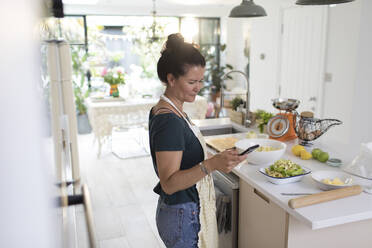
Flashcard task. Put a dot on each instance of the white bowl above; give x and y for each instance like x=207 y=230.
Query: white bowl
x=318 y=176
x=283 y=180
x=264 y=157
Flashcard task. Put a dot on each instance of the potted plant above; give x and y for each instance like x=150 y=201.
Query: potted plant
x=114 y=77
x=236 y=102
x=214 y=71
x=234 y=114
x=81 y=89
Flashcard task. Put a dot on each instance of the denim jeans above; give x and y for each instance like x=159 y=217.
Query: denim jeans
x=178 y=225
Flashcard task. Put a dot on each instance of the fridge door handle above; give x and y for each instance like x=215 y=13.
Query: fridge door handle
x=84 y=199
x=89 y=216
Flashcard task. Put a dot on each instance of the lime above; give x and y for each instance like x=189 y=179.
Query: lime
x=323 y=157
x=315 y=152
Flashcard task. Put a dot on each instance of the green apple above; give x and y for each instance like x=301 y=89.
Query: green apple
x=316 y=152
x=323 y=157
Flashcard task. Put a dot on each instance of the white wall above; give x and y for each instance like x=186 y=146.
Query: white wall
x=362 y=104
x=27 y=216
x=349 y=59
x=163 y=9
x=235 y=50
x=264 y=56
x=341 y=58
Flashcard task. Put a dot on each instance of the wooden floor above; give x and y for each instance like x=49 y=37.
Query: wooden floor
x=123 y=201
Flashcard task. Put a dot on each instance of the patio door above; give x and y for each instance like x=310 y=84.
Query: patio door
x=301 y=67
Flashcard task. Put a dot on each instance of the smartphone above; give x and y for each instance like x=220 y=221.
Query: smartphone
x=249 y=149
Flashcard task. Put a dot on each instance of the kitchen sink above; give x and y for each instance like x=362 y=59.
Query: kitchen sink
x=230 y=129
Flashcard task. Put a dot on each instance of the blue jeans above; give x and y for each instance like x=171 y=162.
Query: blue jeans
x=178 y=225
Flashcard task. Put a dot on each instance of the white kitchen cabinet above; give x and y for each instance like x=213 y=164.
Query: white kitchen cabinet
x=262 y=223
x=301 y=67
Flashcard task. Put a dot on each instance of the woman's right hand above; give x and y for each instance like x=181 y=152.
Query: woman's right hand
x=225 y=161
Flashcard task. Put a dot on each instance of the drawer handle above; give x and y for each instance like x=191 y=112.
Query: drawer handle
x=262 y=196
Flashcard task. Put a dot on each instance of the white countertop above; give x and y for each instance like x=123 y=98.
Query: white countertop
x=341 y=211
x=327 y=214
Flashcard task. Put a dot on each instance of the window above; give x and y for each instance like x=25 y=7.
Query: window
x=131 y=42
x=70 y=28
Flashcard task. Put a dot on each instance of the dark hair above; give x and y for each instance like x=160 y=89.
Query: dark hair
x=176 y=56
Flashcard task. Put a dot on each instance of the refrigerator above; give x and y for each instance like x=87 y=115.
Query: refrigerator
x=40 y=184
x=73 y=191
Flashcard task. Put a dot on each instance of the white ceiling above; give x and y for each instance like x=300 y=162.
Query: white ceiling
x=149 y=2
x=203 y=2
x=144 y=7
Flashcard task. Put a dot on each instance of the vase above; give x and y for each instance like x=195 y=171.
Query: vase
x=114 y=91
x=83 y=124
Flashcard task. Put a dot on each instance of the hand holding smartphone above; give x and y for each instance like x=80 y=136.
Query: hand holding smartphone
x=249 y=149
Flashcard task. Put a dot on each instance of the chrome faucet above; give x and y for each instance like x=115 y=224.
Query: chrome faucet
x=222 y=112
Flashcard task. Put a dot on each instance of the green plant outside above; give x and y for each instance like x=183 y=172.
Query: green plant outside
x=214 y=71
x=81 y=90
x=147 y=48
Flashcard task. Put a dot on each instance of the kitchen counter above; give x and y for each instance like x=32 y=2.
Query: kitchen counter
x=337 y=217
x=341 y=211
x=349 y=209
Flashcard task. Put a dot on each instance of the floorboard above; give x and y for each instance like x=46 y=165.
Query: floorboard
x=123 y=201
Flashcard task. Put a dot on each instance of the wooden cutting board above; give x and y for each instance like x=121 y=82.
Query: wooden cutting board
x=324 y=196
x=221 y=144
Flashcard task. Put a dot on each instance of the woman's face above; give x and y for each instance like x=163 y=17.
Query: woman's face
x=186 y=87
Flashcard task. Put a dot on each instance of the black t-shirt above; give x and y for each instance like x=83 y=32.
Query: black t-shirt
x=169 y=132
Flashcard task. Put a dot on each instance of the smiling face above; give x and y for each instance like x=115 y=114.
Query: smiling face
x=186 y=87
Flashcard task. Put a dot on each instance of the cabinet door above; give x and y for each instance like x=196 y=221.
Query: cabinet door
x=262 y=223
x=301 y=67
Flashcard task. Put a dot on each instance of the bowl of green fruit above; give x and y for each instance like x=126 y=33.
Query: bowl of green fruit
x=284 y=171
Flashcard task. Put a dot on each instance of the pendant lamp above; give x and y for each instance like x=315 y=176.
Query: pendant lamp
x=247 y=9
x=321 y=2
x=153 y=37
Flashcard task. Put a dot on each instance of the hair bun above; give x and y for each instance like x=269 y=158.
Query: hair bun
x=177 y=56
x=174 y=41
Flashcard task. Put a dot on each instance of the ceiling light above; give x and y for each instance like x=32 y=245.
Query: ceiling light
x=247 y=9
x=321 y=2
x=153 y=37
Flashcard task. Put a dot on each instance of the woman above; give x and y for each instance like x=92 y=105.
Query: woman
x=185 y=214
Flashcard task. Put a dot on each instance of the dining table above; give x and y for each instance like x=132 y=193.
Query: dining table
x=105 y=113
